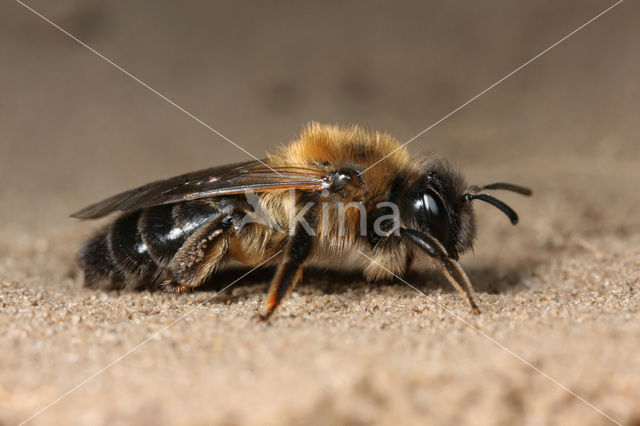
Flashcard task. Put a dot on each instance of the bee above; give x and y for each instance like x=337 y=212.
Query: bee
x=347 y=189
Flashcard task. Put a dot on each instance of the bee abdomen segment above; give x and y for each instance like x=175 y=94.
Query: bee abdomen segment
x=191 y=216
x=166 y=228
x=130 y=252
x=99 y=266
x=161 y=234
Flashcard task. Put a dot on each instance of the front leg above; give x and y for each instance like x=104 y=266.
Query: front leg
x=450 y=266
x=289 y=273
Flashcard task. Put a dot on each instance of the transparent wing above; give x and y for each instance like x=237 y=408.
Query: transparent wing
x=213 y=182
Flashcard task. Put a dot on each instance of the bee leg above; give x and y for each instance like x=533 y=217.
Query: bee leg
x=170 y=286
x=450 y=267
x=290 y=272
x=200 y=255
x=408 y=263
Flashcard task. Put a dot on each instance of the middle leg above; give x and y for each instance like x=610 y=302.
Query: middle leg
x=289 y=273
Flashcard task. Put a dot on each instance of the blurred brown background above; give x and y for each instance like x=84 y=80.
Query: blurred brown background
x=75 y=129
x=561 y=289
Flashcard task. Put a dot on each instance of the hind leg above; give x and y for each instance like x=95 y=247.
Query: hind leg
x=200 y=255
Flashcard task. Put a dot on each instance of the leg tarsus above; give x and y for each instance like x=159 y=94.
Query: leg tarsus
x=260 y=317
x=170 y=286
x=286 y=278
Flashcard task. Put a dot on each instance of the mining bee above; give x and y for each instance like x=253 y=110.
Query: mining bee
x=347 y=189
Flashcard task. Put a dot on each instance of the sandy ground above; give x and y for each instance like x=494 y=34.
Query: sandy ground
x=560 y=293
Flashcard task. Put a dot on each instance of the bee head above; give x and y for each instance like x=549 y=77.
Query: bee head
x=438 y=202
x=433 y=203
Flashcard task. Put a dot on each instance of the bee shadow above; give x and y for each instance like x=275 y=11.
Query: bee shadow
x=331 y=281
x=495 y=280
x=325 y=280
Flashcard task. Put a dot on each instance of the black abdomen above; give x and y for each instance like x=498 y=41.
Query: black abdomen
x=137 y=248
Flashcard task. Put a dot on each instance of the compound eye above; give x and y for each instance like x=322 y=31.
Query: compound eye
x=437 y=216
